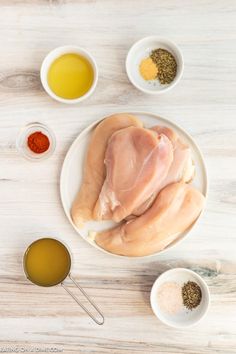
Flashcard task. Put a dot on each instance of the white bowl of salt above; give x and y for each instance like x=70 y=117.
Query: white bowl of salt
x=180 y=298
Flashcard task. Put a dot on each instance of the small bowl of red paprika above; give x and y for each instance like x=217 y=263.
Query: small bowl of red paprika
x=36 y=142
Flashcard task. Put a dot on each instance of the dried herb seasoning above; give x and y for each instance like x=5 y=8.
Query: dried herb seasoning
x=191 y=294
x=166 y=64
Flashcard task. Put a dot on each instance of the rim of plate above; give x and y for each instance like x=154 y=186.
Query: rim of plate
x=179 y=240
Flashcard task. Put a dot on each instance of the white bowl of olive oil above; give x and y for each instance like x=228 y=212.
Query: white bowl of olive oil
x=69 y=74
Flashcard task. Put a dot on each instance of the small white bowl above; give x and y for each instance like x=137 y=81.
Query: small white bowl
x=184 y=318
x=52 y=56
x=141 y=50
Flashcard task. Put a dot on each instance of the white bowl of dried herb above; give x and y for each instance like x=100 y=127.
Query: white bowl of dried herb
x=180 y=298
x=154 y=65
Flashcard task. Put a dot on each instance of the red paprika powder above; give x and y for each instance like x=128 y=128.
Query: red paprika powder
x=38 y=142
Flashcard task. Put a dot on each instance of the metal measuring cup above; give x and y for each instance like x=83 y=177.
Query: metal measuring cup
x=61 y=281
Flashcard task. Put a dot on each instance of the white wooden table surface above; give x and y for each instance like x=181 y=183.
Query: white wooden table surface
x=204 y=103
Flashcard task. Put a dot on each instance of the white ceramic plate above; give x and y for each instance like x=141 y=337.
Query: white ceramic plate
x=72 y=171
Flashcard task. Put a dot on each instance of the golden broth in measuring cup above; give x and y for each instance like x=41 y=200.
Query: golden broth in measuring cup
x=70 y=76
x=47 y=262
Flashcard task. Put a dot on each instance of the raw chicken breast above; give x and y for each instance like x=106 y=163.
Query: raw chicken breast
x=137 y=160
x=94 y=168
x=181 y=169
x=175 y=209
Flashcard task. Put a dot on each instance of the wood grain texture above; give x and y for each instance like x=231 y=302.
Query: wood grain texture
x=204 y=103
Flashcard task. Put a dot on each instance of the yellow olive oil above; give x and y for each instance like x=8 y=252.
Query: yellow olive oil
x=70 y=76
x=47 y=262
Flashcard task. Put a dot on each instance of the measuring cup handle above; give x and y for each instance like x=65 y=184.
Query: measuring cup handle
x=88 y=298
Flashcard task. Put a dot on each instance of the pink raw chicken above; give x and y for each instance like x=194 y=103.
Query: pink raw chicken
x=137 y=160
x=181 y=169
x=175 y=209
x=94 y=168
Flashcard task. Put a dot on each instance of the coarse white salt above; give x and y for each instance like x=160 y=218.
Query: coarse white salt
x=169 y=296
